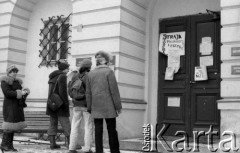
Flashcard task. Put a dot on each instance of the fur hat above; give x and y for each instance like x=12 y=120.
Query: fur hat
x=86 y=63
x=63 y=65
x=12 y=68
x=104 y=54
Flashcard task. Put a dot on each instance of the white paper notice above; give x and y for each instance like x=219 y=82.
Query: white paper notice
x=169 y=73
x=207 y=39
x=206 y=48
x=173 y=101
x=200 y=73
x=174 y=60
x=206 y=61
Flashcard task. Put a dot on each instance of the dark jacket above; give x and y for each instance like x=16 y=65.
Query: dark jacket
x=62 y=91
x=102 y=94
x=13 y=104
x=80 y=102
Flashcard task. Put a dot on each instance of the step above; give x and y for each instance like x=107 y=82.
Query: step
x=137 y=145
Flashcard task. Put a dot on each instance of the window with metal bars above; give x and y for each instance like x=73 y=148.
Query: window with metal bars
x=55 y=40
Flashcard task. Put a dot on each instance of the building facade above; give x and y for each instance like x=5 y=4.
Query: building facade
x=130 y=30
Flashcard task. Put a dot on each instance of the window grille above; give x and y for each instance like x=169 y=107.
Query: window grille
x=55 y=40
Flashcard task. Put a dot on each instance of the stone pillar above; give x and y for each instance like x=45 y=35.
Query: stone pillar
x=230 y=68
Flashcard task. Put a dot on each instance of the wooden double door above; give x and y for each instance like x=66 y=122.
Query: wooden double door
x=185 y=104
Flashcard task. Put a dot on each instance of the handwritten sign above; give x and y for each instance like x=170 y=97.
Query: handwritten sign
x=172 y=41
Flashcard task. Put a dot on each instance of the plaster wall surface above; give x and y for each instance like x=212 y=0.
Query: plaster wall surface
x=37 y=78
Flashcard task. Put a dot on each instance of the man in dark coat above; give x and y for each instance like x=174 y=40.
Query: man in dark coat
x=103 y=101
x=62 y=114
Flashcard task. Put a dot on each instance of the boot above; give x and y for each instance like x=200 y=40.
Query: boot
x=5 y=145
x=53 y=144
x=11 y=142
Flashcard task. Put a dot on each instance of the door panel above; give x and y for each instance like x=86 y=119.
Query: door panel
x=174 y=115
x=197 y=108
x=204 y=94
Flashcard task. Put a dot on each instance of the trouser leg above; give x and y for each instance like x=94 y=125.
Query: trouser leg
x=112 y=135
x=99 y=135
x=88 y=136
x=66 y=125
x=52 y=132
x=52 y=129
x=75 y=128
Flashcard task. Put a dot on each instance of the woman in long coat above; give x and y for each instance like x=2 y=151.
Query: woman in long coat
x=13 y=104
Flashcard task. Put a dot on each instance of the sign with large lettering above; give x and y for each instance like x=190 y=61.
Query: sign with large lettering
x=172 y=41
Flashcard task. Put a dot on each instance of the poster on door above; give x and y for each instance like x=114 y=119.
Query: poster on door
x=172 y=41
x=200 y=73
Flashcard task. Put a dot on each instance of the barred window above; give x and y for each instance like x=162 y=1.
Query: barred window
x=55 y=40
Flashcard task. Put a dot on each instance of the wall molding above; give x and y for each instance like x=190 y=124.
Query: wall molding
x=109 y=38
x=18 y=75
x=231 y=42
x=13 y=62
x=231 y=60
x=133 y=28
x=20 y=17
x=130 y=85
x=14 y=26
x=132 y=42
x=97 y=10
x=14 y=50
x=34 y=3
x=133 y=13
x=132 y=57
x=230 y=78
x=230 y=25
x=14 y=38
x=230 y=7
x=139 y=4
x=129 y=71
x=112 y=23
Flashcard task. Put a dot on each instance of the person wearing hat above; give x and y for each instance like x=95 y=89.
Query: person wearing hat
x=13 y=104
x=103 y=101
x=61 y=114
x=80 y=111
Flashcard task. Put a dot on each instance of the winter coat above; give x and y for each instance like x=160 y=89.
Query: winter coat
x=62 y=91
x=80 y=102
x=102 y=94
x=13 y=104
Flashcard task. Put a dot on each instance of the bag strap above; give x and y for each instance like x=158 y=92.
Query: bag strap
x=55 y=86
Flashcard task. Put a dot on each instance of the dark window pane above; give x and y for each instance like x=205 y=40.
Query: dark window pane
x=54 y=33
x=52 y=52
x=64 y=32
x=63 y=50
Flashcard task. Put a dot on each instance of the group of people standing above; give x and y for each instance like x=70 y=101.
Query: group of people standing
x=99 y=100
